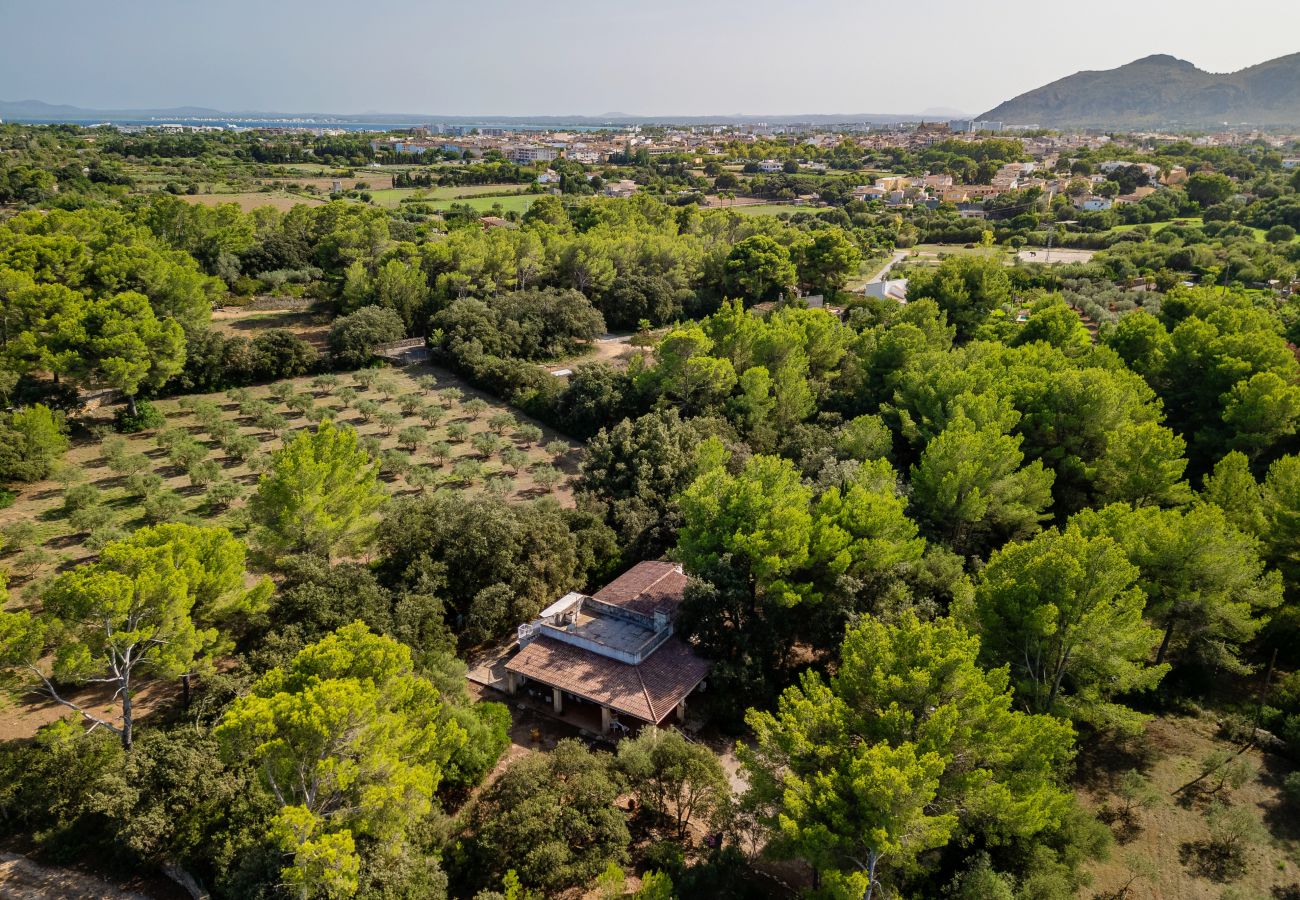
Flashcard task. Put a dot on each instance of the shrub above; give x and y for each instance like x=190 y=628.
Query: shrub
x=503 y=422
x=241 y=446
x=1280 y=234
x=514 y=458
x=529 y=434
x=19 y=535
x=485 y=443
x=467 y=471
x=547 y=476
x=163 y=505
x=413 y=437
x=389 y=421
x=367 y=409
x=146 y=417
x=281 y=354
x=203 y=472
x=353 y=338
x=32 y=441
x=105 y=534
x=142 y=484
x=80 y=497
x=221 y=494
x=431 y=414
x=91 y=518
x=129 y=464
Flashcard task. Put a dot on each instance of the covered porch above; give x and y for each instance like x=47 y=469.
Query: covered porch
x=615 y=698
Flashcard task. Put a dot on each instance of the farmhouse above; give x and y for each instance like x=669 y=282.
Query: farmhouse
x=615 y=649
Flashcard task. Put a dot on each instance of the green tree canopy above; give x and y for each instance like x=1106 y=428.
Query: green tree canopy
x=552 y=818
x=971 y=490
x=145 y=610
x=352 y=744
x=1064 y=611
x=909 y=745
x=320 y=495
x=1205 y=583
x=967 y=289
x=758 y=268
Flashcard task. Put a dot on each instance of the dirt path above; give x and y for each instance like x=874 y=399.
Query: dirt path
x=22 y=879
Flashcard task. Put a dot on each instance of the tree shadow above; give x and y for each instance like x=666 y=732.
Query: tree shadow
x=1214 y=862
x=64 y=541
x=1123 y=825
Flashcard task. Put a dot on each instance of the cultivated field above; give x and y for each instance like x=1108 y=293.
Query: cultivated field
x=430 y=435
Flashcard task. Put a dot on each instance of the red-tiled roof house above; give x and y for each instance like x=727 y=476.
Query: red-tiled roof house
x=615 y=649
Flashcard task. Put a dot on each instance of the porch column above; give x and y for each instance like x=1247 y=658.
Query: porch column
x=606 y=719
x=557 y=700
x=512 y=683
x=681 y=712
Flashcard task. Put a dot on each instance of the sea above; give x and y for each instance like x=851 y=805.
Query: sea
x=237 y=124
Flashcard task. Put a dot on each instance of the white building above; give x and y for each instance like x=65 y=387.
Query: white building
x=526 y=155
x=893 y=289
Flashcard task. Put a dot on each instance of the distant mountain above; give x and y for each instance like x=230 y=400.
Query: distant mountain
x=38 y=110
x=1162 y=91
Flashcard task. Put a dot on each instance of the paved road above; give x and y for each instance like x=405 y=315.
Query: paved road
x=898 y=257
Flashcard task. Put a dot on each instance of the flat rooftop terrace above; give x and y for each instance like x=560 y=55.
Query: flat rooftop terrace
x=617 y=634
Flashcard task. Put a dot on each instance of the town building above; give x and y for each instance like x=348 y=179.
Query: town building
x=615 y=650
x=525 y=155
x=625 y=188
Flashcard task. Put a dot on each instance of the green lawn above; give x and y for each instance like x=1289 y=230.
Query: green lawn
x=768 y=209
x=518 y=203
x=1194 y=221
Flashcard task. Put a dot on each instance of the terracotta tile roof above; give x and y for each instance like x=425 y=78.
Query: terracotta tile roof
x=646 y=588
x=648 y=692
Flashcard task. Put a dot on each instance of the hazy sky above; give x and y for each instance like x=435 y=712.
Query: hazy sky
x=647 y=57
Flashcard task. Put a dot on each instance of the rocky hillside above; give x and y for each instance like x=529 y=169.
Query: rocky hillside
x=1161 y=90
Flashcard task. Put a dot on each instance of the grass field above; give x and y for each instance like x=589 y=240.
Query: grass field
x=1195 y=222
x=519 y=203
x=769 y=209
x=392 y=198
x=468 y=445
x=252 y=200
x=1163 y=840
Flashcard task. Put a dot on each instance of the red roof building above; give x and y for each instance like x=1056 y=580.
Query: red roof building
x=615 y=649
